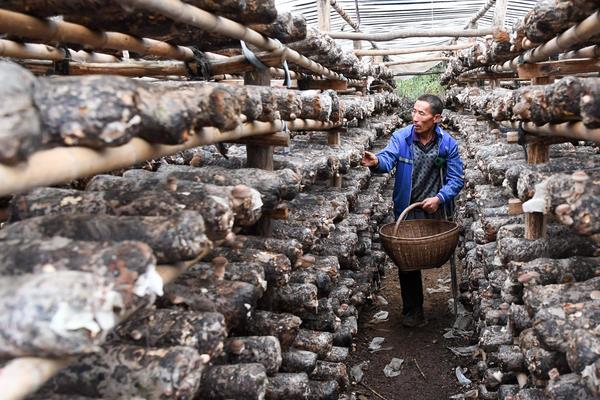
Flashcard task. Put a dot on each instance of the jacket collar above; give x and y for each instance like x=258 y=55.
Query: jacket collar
x=409 y=133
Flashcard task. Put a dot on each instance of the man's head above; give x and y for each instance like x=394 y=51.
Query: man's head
x=427 y=111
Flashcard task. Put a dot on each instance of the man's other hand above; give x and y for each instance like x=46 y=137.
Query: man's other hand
x=369 y=160
x=431 y=204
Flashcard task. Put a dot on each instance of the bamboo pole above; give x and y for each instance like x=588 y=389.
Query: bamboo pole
x=23 y=376
x=586 y=52
x=472 y=23
x=138 y=68
x=482 y=11
x=393 y=52
x=97 y=63
x=9 y=48
x=415 y=73
x=50 y=31
x=571 y=130
x=344 y=15
x=130 y=69
x=384 y=37
x=69 y=163
x=420 y=60
x=194 y=16
x=564 y=42
x=348 y=19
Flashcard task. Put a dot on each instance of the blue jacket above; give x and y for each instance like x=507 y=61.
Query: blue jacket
x=399 y=153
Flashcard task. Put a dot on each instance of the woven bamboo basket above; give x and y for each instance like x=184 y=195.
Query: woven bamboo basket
x=419 y=243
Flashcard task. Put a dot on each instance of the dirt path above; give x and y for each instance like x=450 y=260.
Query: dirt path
x=425 y=345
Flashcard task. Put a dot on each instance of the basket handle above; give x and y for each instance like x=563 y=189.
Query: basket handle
x=404 y=213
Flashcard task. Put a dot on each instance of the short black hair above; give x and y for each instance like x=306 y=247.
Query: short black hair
x=435 y=103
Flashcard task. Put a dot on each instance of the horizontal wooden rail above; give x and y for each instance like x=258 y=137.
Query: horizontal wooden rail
x=571 y=130
x=51 y=31
x=385 y=37
x=419 y=60
x=70 y=163
x=194 y=16
x=586 y=52
x=9 y=48
x=394 y=52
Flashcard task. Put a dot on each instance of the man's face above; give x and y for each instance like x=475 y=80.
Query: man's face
x=423 y=119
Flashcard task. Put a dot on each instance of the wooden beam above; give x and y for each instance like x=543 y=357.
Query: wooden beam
x=324 y=15
x=558 y=68
x=419 y=60
x=385 y=37
x=258 y=156
x=393 y=52
x=276 y=139
x=322 y=84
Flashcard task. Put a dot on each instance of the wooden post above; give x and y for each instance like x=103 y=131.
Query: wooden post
x=537 y=153
x=334 y=140
x=336 y=180
x=535 y=225
x=515 y=207
x=357 y=45
x=333 y=137
x=258 y=156
x=324 y=15
x=473 y=25
x=500 y=13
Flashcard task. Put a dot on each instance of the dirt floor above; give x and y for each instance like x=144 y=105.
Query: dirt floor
x=434 y=377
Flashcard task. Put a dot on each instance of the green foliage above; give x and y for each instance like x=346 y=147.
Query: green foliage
x=418 y=85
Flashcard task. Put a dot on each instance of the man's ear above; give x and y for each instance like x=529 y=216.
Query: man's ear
x=437 y=118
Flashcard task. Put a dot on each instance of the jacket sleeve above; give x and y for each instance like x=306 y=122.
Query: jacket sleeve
x=388 y=157
x=454 y=175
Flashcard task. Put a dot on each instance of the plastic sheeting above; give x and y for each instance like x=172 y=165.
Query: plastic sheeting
x=379 y=16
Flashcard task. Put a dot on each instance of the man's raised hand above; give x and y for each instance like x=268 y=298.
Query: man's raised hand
x=369 y=160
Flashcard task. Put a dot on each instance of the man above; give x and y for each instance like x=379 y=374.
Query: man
x=418 y=152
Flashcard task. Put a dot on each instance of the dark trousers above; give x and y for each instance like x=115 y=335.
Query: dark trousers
x=411 y=289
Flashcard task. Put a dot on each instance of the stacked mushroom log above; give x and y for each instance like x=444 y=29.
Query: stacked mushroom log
x=533 y=301
x=324 y=50
x=255 y=316
x=547 y=19
x=569 y=99
x=320 y=265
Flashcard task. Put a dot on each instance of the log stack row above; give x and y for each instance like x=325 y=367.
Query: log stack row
x=533 y=301
x=262 y=17
x=568 y=99
x=250 y=317
x=547 y=19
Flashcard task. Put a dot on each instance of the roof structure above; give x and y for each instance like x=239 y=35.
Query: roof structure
x=380 y=16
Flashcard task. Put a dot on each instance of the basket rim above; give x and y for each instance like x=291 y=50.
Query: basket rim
x=450 y=231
